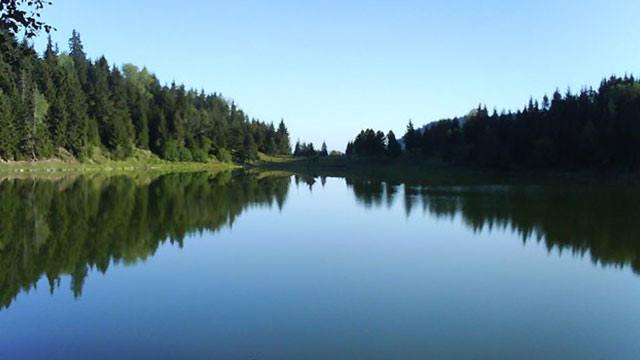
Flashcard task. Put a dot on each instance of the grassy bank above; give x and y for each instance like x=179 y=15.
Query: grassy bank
x=142 y=161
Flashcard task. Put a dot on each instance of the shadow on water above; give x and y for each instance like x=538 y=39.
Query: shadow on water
x=66 y=227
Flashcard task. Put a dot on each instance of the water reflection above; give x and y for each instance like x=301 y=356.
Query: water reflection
x=599 y=221
x=69 y=226
x=66 y=227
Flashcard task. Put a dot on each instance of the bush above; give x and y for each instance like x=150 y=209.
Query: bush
x=224 y=155
x=184 y=154
x=199 y=155
x=170 y=151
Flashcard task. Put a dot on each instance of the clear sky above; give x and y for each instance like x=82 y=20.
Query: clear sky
x=331 y=68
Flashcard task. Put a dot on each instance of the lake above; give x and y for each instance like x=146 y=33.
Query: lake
x=274 y=266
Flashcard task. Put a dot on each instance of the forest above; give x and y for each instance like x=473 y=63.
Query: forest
x=591 y=130
x=65 y=104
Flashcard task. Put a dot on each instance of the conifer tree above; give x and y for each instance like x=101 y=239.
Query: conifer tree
x=393 y=146
x=102 y=108
x=7 y=134
x=282 y=139
x=323 y=150
x=24 y=117
x=43 y=146
x=58 y=116
x=76 y=110
x=69 y=103
x=298 y=149
x=123 y=132
x=80 y=62
x=411 y=137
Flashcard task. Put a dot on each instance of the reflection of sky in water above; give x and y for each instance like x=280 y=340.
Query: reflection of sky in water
x=328 y=278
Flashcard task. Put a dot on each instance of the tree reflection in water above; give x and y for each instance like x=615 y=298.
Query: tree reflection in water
x=599 y=221
x=67 y=227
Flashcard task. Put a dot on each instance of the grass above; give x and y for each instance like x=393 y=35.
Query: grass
x=141 y=161
x=403 y=170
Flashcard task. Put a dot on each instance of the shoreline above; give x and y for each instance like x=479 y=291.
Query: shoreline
x=57 y=167
x=433 y=172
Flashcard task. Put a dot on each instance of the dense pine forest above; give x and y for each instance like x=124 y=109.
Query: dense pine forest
x=591 y=130
x=63 y=104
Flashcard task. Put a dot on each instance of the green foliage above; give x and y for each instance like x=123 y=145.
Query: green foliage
x=185 y=154
x=304 y=150
x=592 y=130
x=393 y=146
x=283 y=144
x=70 y=104
x=170 y=150
x=224 y=155
x=368 y=143
x=323 y=150
x=199 y=155
x=23 y=15
x=249 y=150
x=43 y=146
x=70 y=93
x=7 y=133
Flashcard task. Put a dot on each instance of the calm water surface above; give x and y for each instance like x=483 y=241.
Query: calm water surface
x=234 y=266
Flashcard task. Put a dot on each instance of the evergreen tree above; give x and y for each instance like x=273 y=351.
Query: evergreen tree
x=43 y=146
x=7 y=134
x=411 y=137
x=349 y=150
x=80 y=62
x=298 y=149
x=25 y=118
x=102 y=108
x=590 y=130
x=249 y=150
x=368 y=143
x=47 y=72
x=139 y=97
x=67 y=103
x=282 y=139
x=393 y=146
x=122 y=140
x=323 y=150
x=76 y=111
x=58 y=116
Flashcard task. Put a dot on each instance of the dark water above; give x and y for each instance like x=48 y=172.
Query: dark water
x=234 y=266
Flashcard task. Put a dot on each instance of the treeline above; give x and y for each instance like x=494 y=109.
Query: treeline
x=67 y=227
x=374 y=143
x=65 y=103
x=303 y=149
x=591 y=130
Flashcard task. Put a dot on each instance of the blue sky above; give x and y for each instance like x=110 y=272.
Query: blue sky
x=331 y=68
